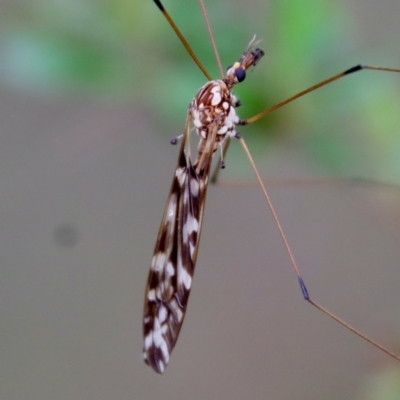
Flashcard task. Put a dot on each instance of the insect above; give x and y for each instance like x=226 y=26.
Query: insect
x=213 y=114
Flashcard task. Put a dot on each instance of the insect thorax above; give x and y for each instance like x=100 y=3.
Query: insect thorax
x=214 y=103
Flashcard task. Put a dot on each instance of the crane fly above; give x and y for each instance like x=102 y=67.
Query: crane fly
x=212 y=112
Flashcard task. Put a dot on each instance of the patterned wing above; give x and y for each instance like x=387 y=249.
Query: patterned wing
x=174 y=259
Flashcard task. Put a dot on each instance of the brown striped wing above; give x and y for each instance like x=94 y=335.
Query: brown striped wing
x=172 y=267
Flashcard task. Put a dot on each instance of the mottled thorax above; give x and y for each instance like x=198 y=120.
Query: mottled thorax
x=214 y=104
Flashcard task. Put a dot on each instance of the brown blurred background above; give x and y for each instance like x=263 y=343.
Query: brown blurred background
x=90 y=94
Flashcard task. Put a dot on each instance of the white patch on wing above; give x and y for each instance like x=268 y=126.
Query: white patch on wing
x=185 y=197
x=180 y=175
x=158 y=262
x=157 y=336
x=172 y=207
x=162 y=313
x=184 y=277
x=151 y=295
x=164 y=349
x=178 y=314
x=161 y=366
x=185 y=233
x=164 y=329
x=191 y=248
x=148 y=340
x=194 y=187
x=169 y=270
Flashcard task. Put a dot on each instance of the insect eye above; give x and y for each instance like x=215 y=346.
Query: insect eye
x=240 y=74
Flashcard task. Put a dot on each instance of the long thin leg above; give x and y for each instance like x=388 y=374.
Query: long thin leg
x=308 y=182
x=315 y=87
x=212 y=38
x=182 y=39
x=303 y=288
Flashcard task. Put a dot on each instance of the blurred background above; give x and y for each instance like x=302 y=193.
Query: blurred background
x=90 y=94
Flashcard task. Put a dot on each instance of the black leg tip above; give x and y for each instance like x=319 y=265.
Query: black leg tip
x=159 y=5
x=354 y=69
